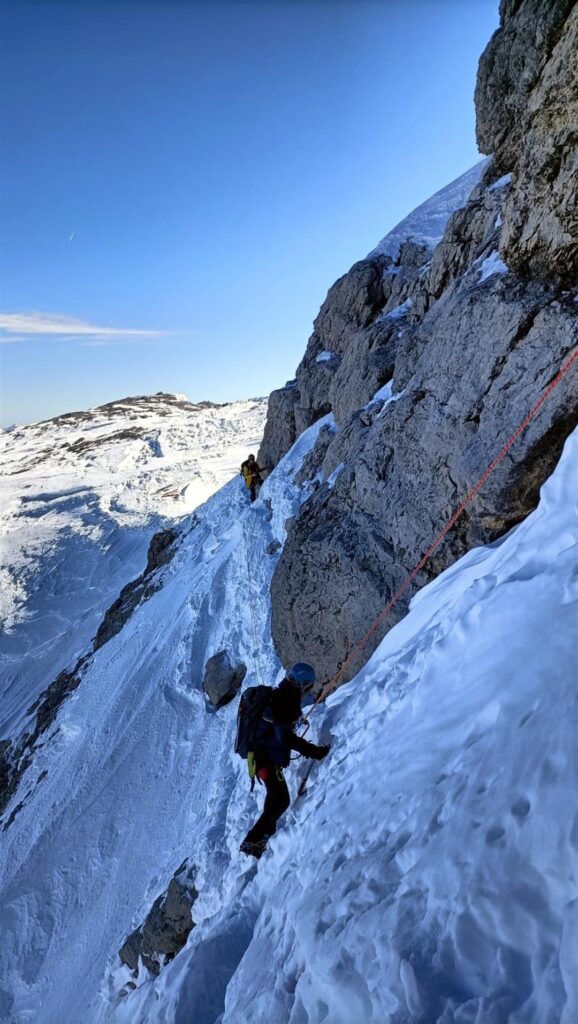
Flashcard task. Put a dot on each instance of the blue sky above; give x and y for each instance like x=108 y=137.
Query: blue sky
x=183 y=181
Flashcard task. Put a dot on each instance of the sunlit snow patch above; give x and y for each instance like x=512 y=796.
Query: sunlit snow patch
x=426 y=224
x=492 y=265
x=399 y=311
x=384 y=397
x=501 y=182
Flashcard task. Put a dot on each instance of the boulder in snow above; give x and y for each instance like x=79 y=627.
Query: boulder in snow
x=166 y=927
x=222 y=680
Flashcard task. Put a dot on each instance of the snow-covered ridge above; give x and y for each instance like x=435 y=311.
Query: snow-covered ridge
x=426 y=224
x=81 y=496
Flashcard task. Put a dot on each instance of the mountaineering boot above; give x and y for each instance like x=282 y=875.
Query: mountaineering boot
x=253 y=849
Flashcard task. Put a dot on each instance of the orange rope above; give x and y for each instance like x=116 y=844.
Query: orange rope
x=330 y=686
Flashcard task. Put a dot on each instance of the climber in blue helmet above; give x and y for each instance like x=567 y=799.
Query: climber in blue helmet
x=274 y=739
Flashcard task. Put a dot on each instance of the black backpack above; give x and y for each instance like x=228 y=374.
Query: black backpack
x=251 y=707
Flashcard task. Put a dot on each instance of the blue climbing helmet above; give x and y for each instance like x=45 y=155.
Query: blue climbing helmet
x=302 y=674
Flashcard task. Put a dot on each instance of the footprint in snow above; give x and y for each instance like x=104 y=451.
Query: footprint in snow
x=495 y=833
x=525 y=718
x=520 y=809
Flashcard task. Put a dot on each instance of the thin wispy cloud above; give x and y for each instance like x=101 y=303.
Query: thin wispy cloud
x=33 y=326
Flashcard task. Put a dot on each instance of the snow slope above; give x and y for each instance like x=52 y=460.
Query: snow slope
x=137 y=774
x=80 y=497
x=429 y=874
x=427 y=222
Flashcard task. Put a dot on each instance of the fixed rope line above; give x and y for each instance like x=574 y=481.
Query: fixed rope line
x=252 y=609
x=359 y=647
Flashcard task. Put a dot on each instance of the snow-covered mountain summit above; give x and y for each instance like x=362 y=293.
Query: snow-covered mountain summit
x=425 y=225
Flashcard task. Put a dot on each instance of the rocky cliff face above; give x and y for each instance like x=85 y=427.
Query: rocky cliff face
x=527 y=116
x=468 y=332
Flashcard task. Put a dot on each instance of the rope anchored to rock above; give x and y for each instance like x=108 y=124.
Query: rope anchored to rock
x=360 y=646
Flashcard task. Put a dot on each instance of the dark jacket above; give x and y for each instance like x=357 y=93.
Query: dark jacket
x=276 y=738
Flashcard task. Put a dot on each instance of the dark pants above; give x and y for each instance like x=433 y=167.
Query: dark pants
x=255 y=487
x=276 y=803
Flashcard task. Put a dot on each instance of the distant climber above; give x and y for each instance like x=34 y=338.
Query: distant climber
x=251 y=473
x=266 y=736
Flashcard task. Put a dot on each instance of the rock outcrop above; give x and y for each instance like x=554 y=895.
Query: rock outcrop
x=222 y=680
x=351 y=352
x=166 y=927
x=527 y=116
x=469 y=343
x=16 y=755
x=280 y=429
x=161 y=550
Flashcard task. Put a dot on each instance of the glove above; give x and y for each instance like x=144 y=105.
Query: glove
x=320 y=752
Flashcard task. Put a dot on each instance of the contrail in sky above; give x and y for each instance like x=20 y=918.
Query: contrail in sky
x=72 y=236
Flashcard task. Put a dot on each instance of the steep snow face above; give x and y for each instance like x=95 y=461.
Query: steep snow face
x=427 y=222
x=80 y=497
x=428 y=876
x=137 y=772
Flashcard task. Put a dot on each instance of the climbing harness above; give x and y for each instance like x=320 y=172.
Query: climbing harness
x=360 y=646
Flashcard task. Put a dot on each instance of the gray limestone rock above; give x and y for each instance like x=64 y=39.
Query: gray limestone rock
x=166 y=927
x=161 y=550
x=470 y=232
x=527 y=116
x=470 y=343
x=222 y=680
x=479 y=361
x=312 y=465
x=352 y=305
x=509 y=69
x=280 y=428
